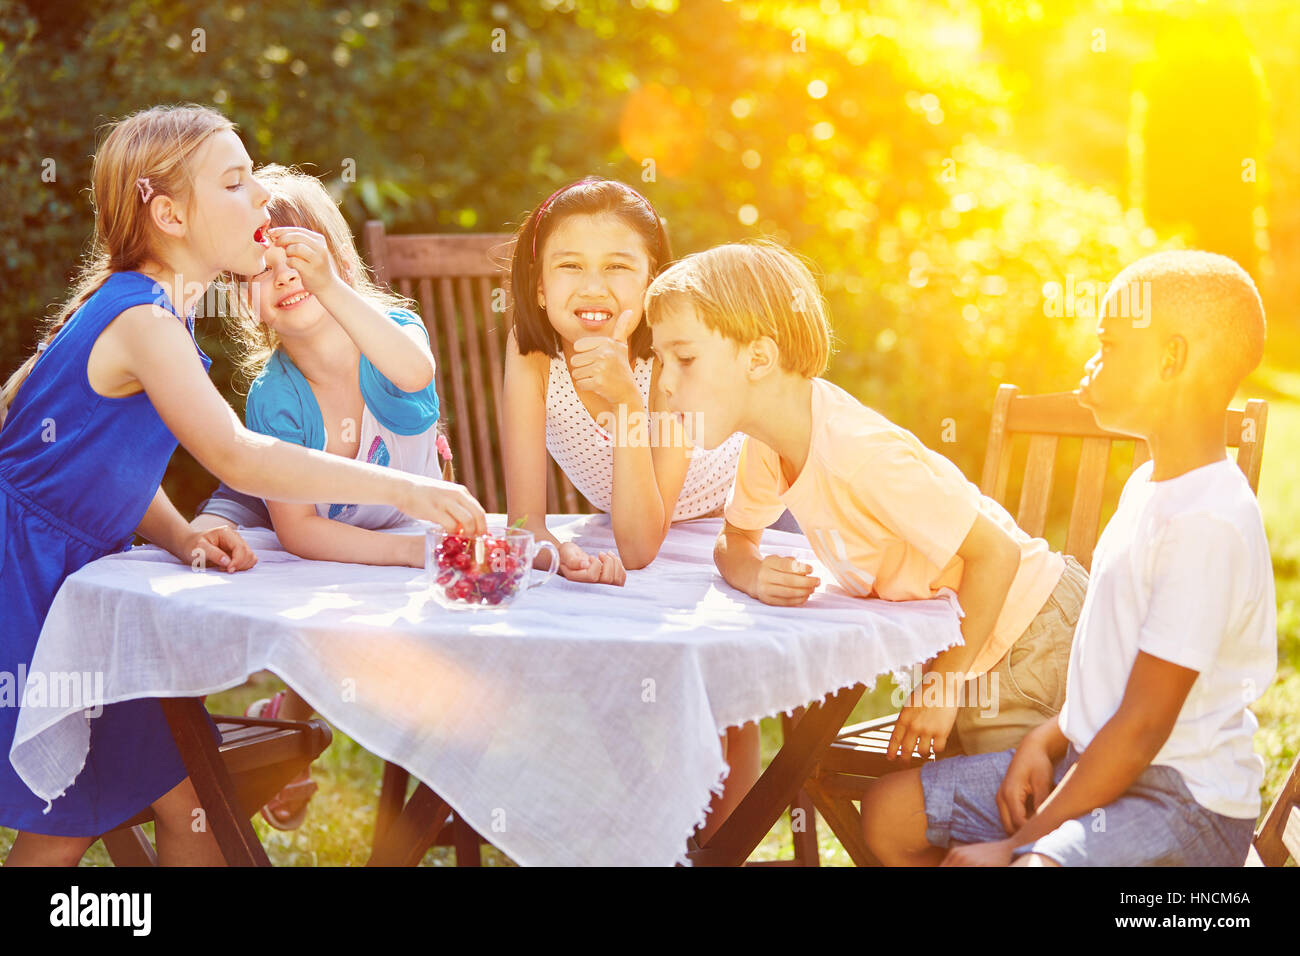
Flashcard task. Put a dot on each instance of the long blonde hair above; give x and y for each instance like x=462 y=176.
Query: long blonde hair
x=298 y=199
x=156 y=144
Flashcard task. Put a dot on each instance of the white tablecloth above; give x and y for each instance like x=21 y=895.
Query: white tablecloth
x=578 y=726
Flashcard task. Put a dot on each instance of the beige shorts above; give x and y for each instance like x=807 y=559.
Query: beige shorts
x=1027 y=685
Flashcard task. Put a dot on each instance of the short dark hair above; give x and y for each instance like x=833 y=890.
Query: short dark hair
x=591 y=196
x=1210 y=299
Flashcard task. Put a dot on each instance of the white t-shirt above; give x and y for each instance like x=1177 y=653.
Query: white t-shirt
x=1182 y=572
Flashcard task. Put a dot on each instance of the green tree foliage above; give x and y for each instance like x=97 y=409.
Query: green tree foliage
x=879 y=142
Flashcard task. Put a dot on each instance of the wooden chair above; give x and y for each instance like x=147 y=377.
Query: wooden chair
x=261 y=756
x=1278 y=837
x=857 y=755
x=457 y=281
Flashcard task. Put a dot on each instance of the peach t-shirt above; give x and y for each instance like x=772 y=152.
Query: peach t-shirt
x=886 y=514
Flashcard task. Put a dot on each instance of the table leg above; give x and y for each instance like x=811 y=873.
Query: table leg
x=392 y=796
x=781 y=781
x=413 y=832
x=803 y=815
x=233 y=831
x=466 y=842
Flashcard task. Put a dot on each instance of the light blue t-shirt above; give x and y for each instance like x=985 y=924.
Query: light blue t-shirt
x=397 y=427
x=281 y=403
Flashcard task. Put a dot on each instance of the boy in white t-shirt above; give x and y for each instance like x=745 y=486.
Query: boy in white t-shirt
x=1150 y=761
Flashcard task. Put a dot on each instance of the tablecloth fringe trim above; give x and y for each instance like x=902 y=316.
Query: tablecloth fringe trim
x=717 y=788
x=871 y=686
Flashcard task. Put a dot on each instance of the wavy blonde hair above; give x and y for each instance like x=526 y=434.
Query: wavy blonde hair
x=298 y=199
x=157 y=144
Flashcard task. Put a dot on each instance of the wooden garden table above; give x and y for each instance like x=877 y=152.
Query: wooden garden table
x=578 y=726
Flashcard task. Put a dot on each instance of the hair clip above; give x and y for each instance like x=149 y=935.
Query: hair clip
x=444 y=449
x=541 y=210
x=146 y=190
x=42 y=347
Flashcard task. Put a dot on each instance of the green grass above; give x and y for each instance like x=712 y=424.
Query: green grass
x=341 y=820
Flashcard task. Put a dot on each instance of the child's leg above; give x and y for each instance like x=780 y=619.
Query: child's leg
x=37 y=849
x=294 y=707
x=910 y=818
x=1027 y=686
x=287 y=809
x=1156 y=822
x=740 y=748
x=181 y=832
x=893 y=821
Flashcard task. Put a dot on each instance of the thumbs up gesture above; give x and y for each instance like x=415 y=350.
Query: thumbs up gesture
x=601 y=364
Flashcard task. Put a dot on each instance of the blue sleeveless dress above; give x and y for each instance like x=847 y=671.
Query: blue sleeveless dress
x=77 y=473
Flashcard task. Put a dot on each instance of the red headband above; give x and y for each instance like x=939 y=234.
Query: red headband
x=541 y=210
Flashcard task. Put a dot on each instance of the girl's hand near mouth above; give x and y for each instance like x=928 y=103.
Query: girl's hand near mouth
x=600 y=364
x=307 y=254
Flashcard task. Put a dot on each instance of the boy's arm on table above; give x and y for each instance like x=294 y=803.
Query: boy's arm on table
x=1117 y=756
x=990 y=559
x=164 y=526
x=774 y=579
x=306 y=534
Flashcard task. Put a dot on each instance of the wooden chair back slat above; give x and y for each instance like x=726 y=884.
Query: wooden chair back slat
x=468 y=255
x=1279 y=835
x=1048 y=418
x=1037 y=488
x=480 y=408
x=453 y=278
x=425 y=298
x=997 y=456
x=1250 y=430
x=461 y=413
x=495 y=333
x=1085 y=509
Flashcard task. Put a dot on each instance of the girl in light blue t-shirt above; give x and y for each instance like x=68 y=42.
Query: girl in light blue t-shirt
x=344 y=369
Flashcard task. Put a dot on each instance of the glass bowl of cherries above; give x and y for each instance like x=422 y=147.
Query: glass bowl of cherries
x=489 y=570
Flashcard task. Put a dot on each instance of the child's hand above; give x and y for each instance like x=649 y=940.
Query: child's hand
x=784 y=581
x=1027 y=784
x=923 y=729
x=577 y=565
x=980 y=854
x=307 y=254
x=221 y=547
x=446 y=504
x=600 y=364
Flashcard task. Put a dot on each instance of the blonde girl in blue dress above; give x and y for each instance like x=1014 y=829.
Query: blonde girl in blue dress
x=90 y=423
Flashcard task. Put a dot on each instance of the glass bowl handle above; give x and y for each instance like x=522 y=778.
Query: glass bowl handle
x=555 y=562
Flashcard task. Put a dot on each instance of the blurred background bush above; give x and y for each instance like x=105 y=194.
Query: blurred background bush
x=941 y=161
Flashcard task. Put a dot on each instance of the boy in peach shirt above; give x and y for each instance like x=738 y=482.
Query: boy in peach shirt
x=742 y=335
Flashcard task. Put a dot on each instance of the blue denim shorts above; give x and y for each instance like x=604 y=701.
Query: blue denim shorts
x=1156 y=822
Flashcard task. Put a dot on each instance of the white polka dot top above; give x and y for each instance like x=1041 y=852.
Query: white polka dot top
x=585 y=451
